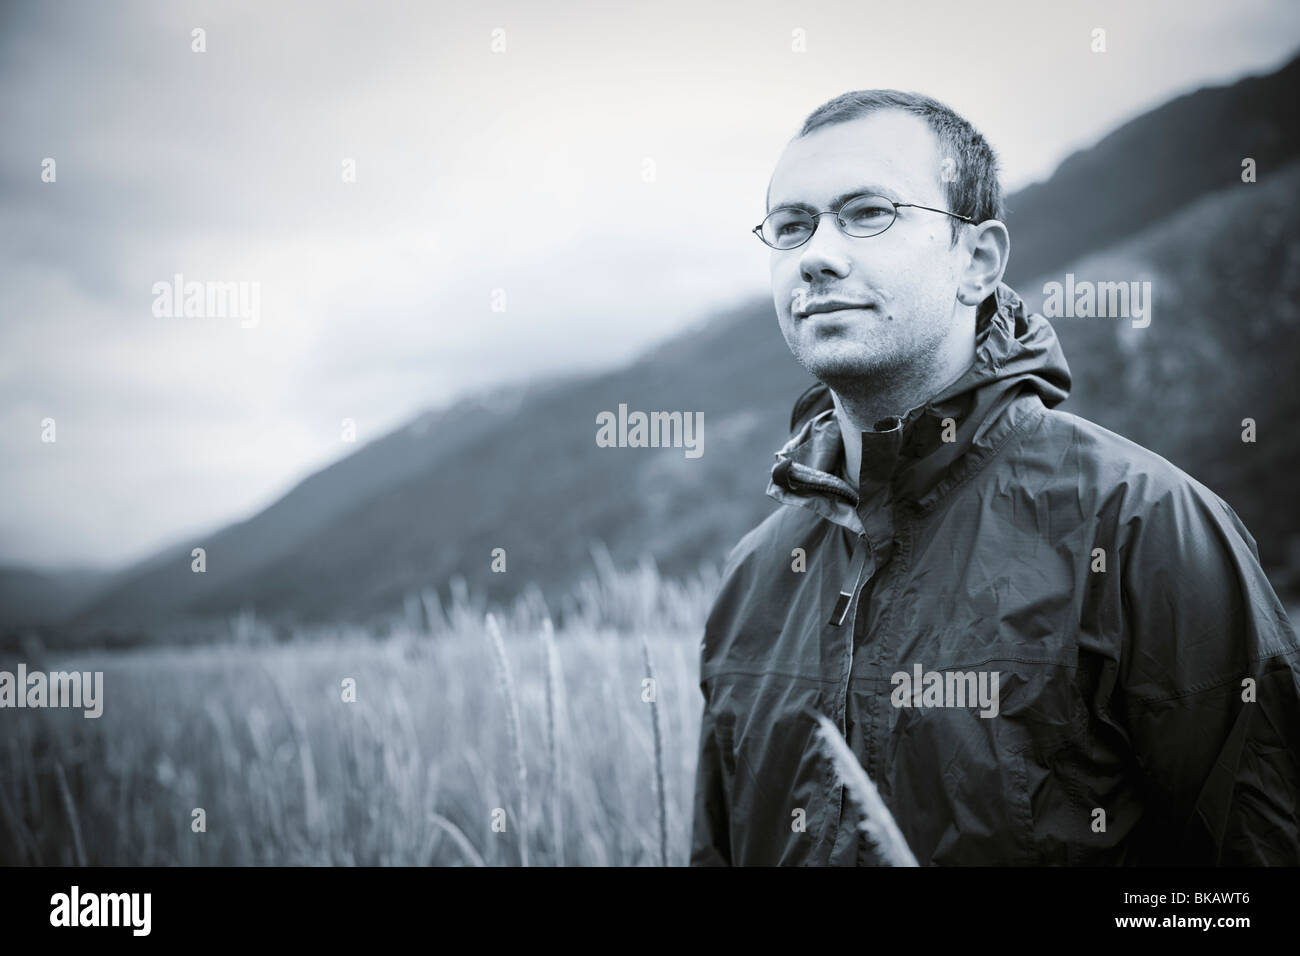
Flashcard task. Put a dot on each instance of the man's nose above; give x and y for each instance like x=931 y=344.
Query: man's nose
x=825 y=253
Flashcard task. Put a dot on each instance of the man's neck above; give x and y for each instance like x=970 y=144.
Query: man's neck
x=861 y=411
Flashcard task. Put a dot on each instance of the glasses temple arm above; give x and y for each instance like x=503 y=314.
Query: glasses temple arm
x=914 y=205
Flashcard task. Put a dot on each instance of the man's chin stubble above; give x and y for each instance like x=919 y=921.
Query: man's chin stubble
x=848 y=369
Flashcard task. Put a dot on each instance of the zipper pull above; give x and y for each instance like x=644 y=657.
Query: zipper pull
x=845 y=599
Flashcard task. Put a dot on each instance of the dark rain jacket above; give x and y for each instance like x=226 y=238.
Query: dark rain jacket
x=1148 y=678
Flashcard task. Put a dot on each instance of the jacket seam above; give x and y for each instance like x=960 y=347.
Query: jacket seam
x=1214 y=683
x=1025 y=809
x=1004 y=657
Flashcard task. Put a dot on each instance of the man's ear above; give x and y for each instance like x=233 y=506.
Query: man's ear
x=989 y=247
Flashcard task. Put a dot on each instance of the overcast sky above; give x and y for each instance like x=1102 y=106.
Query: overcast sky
x=523 y=170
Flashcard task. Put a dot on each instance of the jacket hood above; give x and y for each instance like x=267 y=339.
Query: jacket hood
x=1016 y=354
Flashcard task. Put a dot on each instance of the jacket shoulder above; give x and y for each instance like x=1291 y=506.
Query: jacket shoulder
x=1123 y=475
x=1179 y=600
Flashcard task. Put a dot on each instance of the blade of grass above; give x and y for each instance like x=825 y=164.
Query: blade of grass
x=660 y=795
x=507 y=686
x=882 y=832
x=552 y=732
x=459 y=838
x=66 y=795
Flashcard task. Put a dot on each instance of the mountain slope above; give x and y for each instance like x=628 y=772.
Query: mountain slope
x=241 y=550
x=1153 y=166
x=29 y=598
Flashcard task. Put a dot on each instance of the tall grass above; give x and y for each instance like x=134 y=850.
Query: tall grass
x=508 y=699
x=554 y=694
x=659 y=754
x=454 y=717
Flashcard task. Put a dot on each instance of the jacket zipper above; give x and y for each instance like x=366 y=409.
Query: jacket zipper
x=848 y=601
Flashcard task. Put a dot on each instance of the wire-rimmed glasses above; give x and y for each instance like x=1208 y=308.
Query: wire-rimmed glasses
x=788 y=227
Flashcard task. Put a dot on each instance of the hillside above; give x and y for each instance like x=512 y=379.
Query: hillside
x=1153 y=166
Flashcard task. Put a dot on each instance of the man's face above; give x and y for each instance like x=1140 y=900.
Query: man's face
x=905 y=279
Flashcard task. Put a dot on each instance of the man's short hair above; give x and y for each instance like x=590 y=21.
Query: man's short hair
x=972 y=188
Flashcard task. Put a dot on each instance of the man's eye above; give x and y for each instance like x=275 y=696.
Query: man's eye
x=867 y=213
x=787 y=226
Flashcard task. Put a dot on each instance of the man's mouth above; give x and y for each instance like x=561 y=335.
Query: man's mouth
x=819 y=307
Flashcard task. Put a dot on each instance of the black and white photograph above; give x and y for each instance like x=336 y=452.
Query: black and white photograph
x=594 y=436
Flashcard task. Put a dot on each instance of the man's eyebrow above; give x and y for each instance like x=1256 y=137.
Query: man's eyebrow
x=842 y=198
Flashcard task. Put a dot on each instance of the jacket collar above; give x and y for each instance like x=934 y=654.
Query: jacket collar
x=906 y=459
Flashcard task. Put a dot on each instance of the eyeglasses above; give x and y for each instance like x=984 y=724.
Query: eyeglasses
x=861 y=217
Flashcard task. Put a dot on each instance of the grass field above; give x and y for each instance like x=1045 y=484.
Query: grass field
x=415 y=771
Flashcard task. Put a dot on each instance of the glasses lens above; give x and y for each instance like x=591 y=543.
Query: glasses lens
x=867 y=216
x=787 y=228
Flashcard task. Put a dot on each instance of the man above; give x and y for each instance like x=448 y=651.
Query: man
x=1044 y=643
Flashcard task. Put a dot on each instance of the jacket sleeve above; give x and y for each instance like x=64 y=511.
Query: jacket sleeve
x=1210 y=679
x=710 y=831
